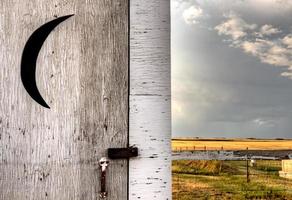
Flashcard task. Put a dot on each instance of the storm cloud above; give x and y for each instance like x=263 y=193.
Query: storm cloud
x=232 y=68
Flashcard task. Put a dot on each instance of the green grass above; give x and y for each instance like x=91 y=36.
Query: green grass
x=268 y=166
x=227 y=180
x=202 y=167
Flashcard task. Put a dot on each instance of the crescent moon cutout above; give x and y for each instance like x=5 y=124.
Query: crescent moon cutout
x=29 y=58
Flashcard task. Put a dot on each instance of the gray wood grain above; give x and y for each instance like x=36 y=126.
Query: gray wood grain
x=150 y=107
x=83 y=75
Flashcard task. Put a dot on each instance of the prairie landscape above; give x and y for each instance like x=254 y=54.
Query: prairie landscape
x=212 y=180
x=238 y=180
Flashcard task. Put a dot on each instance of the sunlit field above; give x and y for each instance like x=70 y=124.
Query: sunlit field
x=238 y=180
x=228 y=180
x=231 y=144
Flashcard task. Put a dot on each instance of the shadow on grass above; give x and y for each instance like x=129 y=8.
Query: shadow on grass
x=227 y=180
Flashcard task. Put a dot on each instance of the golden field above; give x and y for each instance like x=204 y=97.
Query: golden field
x=230 y=144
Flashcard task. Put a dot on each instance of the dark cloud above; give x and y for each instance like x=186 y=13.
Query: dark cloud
x=220 y=89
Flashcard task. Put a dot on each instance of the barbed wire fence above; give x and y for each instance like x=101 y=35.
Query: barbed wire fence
x=256 y=179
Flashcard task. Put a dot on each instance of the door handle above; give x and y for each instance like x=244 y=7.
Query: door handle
x=103 y=164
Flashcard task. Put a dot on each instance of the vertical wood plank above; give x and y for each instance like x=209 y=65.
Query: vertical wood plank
x=150 y=119
x=82 y=72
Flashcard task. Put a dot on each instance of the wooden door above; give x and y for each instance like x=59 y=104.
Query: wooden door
x=82 y=73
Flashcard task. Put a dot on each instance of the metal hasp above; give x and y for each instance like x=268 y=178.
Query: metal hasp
x=103 y=163
x=122 y=153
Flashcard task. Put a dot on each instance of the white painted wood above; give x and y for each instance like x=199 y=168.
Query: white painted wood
x=150 y=106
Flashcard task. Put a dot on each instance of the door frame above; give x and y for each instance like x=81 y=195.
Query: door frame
x=150 y=99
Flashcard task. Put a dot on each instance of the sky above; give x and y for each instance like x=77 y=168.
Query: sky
x=231 y=68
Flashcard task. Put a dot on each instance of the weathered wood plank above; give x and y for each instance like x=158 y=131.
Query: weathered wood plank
x=150 y=123
x=83 y=74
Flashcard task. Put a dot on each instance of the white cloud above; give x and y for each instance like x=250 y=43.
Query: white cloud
x=287 y=74
x=287 y=40
x=255 y=47
x=234 y=26
x=192 y=14
x=268 y=30
x=269 y=52
x=263 y=122
x=255 y=41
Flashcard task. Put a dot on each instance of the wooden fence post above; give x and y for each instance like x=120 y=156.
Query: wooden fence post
x=247 y=167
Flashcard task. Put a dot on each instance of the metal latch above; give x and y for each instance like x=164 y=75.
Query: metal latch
x=122 y=153
x=113 y=153
x=103 y=163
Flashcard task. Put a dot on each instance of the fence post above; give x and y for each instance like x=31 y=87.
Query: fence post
x=247 y=167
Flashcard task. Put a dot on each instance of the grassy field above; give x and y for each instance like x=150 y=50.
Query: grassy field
x=227 y=180
x=231 y=144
